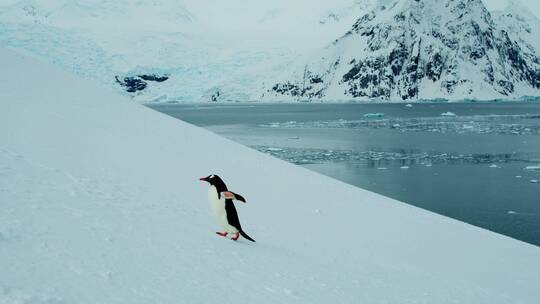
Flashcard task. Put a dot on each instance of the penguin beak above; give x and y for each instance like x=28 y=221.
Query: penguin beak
x=204 y=179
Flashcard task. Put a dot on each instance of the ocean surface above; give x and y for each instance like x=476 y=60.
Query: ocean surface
x=475 y=162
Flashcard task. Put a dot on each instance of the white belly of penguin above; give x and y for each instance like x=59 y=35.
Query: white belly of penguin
x=217 y=206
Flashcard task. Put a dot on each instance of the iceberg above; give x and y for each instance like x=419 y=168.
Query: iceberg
x=448 y=114
x=374 y=115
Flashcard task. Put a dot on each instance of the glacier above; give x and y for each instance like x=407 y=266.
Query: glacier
x=229 y=49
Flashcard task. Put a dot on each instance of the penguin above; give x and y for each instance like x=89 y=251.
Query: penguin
x=222 y=206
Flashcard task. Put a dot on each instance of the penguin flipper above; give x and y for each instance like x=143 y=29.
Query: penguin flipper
x=234 y=196
x=238 y=197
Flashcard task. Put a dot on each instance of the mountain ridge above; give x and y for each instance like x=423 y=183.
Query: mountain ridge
x=282 y=52
x=417 y=49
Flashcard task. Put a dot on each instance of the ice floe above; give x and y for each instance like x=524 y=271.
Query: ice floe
x=523 y=124
x=449 y=114
x=378 y=158
x=374 y=115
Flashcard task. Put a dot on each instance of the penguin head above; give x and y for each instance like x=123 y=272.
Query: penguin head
x=215 y=181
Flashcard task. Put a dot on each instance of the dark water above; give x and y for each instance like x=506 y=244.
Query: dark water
x=471 y=166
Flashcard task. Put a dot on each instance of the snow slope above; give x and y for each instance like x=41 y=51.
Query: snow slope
x=101 y=203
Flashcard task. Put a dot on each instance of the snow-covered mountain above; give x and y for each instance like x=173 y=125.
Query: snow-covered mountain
x=206 y=48
x=520 y=24
x=424 y=49
x=237 y=50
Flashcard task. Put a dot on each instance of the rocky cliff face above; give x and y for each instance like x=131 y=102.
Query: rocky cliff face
x=422 y=49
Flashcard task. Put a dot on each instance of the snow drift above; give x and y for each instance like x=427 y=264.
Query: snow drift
x=101 y=203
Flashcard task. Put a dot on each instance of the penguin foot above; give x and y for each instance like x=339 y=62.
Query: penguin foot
x=222 y=233
x=236 y=236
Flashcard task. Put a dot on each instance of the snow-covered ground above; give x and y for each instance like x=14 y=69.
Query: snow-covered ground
x=101 y=203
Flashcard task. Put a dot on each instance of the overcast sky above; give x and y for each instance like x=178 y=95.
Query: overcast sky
x=534 y=5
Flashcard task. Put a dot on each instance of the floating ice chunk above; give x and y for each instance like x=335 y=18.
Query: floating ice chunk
x=518 y=176
x=494 y=166
x=404 y=167
x=535 y=181
x=274 y=149
x=373 y=115
x=511 y=212
x=449 y=114
x=532 y=168
x=409 y=105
